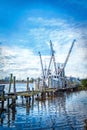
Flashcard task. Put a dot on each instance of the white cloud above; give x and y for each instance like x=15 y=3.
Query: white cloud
x=19 y=61
x=24 y=62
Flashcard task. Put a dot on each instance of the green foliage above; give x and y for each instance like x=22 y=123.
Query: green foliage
x=83 y=85
x=84 y=82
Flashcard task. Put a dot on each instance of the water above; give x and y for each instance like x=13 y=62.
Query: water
x=67 y=111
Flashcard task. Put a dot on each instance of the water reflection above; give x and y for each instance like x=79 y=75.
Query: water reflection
x=67 y=111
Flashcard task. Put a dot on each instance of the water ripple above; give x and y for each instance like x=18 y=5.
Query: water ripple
x=65 y=112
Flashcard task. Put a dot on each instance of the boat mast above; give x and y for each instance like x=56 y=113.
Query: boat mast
x=67 y=58
x=52 y=57
x=42 y=67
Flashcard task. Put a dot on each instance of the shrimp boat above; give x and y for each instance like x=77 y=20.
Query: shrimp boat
x=63 y=82
x=56 y=79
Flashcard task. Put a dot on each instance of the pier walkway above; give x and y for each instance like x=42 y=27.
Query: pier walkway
x=45 y=92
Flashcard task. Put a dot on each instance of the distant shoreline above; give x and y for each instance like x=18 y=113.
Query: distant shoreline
x=7 y=82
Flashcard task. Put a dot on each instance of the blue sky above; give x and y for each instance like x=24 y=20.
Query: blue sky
x=26 y=27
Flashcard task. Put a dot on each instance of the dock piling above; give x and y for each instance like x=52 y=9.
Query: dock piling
x=14 y=85
x=10 y=82
x=27 y=84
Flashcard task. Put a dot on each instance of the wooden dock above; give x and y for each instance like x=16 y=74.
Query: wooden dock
x=11 y=97
x=51 y=91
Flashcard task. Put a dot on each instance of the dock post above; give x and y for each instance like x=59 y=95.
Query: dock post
x=27 y=84
x=14 y=85
x=13 y=98
x=47 y=94
x=28 y=89
x=3 y=100
x=33 y=94
x=8 y=102
x=10 y=82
